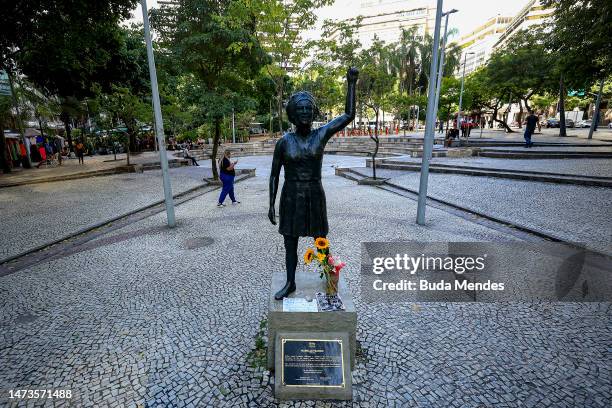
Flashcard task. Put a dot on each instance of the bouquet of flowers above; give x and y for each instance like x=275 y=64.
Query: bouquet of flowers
x=329 y=266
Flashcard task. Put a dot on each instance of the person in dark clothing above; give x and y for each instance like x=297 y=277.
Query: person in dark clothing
x=227 y=174
x=531 y=123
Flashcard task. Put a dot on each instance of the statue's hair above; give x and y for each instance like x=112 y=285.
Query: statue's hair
x=293 y=101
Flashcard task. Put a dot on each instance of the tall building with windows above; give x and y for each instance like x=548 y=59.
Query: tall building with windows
x=534 y=13
x=478 y=45
x=386 y=19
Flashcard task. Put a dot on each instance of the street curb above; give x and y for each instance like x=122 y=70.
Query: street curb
x=511 y=174
x=132 y=168
x=342 y=173
x=111 y=220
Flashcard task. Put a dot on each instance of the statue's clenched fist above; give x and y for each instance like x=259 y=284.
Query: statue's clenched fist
x=352 y=74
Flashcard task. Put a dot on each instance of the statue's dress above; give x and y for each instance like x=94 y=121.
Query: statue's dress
x=303 y=211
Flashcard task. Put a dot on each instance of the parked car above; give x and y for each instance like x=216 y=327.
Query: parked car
x=584 y=123
x=610 y=125
x=569 y=123
x=552 y=123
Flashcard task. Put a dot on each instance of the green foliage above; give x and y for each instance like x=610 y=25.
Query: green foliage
x=449 y=98
x=524 y=66
x=220 y=55
x=279 y=28
x=580 y=37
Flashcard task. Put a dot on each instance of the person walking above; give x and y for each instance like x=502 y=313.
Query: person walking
x=80 y=152
x=530 y=126
x=227 y=174
x=468 y=127
x=59 y=146
x=441 y=128
x=187 y=155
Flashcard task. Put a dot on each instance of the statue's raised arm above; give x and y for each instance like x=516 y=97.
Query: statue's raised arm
x=339 y=123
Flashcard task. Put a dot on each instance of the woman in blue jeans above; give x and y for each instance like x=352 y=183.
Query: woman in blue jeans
x=227 y=174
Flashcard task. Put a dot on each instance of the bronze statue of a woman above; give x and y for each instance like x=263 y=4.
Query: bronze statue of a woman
x=302 y=209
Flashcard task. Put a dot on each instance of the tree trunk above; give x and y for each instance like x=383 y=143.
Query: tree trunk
x=376 y=140
x=66 y=120
x=595 y=119
x=132 y=142
x=520 y=115
x=562 y=128
x=494 y=119
x=215 y=149
x=3 y=159
x=280 y=109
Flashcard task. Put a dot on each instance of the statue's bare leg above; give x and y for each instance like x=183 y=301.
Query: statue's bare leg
x=291 y=245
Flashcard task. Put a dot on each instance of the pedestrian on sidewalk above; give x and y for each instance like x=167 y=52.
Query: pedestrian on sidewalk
x=530 y=126
x=468 y=127
x=80 y=152
x=187 y=155
x=59 y=145
x=227 y=174
x=441 y=128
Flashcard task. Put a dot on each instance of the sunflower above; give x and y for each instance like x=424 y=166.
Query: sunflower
x=321 y=256
x=322 y=243
x=308 y=256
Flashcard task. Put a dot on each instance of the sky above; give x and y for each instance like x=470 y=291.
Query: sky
x=471 y=13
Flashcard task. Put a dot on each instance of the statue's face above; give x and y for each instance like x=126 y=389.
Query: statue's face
x=304 y=112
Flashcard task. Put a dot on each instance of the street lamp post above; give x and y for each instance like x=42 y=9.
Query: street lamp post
x=461 y=93
x=441 y=67
x=159 y=124
x=430 y=121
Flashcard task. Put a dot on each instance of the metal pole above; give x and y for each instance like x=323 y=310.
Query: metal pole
x=430 y=121
x=159 y=124
x=441 y=67
x=596 y=113
x=233 y=127
x=461 y=94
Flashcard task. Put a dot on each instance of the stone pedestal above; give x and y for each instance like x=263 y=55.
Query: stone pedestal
x=308 y=283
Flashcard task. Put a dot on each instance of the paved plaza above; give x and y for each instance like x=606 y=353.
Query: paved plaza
x=158 y=317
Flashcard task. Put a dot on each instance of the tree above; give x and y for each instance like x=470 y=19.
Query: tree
x=280 y=25
x=449 y=96
x=59 y=34
x=5 y=113
x=375 y=83
x=130 y=110
x=581 y=38
x=524 y=66
x=486 y=91
x=220 y=54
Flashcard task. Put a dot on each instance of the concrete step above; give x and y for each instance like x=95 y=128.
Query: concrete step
x=500 y=173
x=512 y=154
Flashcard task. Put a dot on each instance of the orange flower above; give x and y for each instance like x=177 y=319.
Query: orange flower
x=321 y=243
x=321 y=256
x=308 y=256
